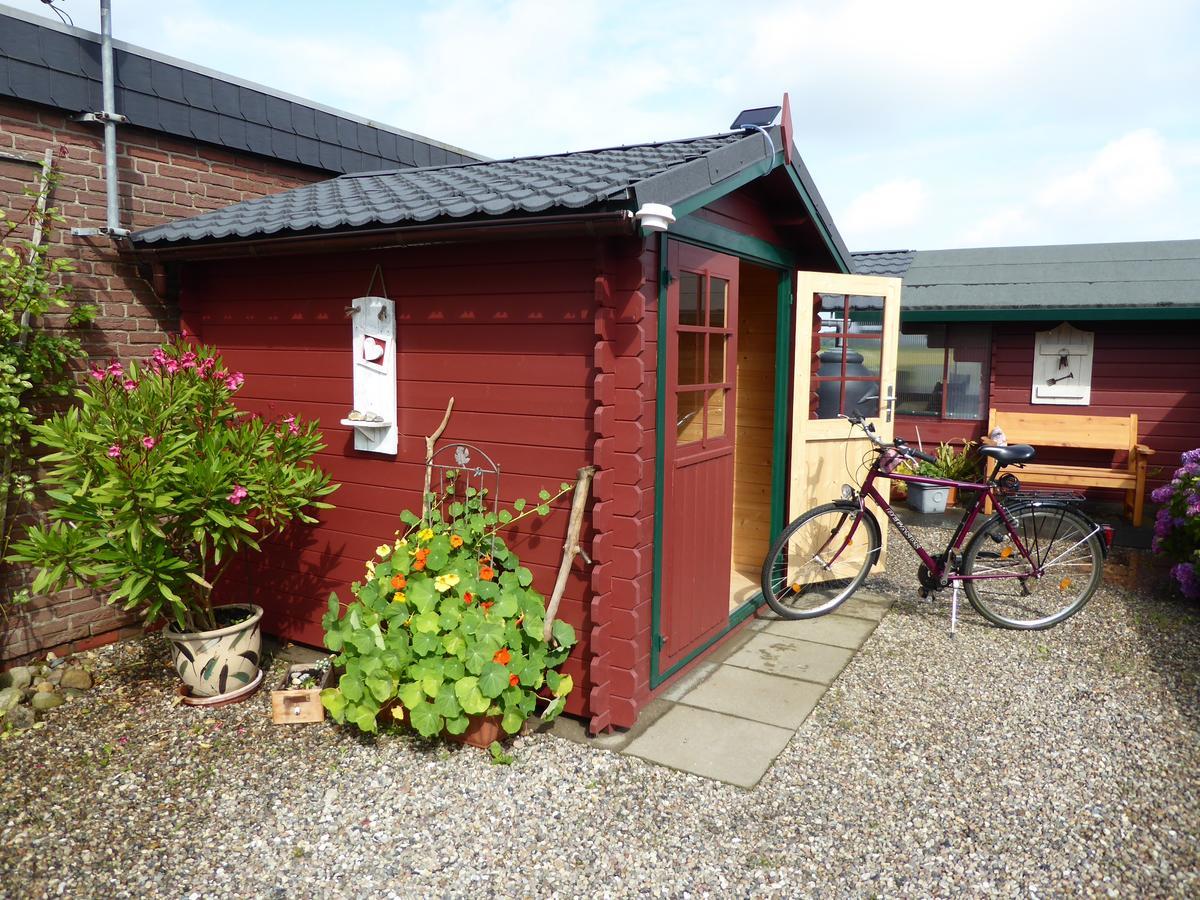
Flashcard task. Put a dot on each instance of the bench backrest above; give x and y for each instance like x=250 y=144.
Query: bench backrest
x=1057 y=430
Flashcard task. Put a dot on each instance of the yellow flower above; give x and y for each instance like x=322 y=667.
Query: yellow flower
x=425 y=534
x=382 y=551
x=401 y=542
x=371 y=568
x=398 y=597
x=444 y=582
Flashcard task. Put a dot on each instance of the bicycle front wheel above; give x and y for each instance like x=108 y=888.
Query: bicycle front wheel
x=1060 y=543
x=820 y=560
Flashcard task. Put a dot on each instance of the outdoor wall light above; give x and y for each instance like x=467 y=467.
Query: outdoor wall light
x=655 y=216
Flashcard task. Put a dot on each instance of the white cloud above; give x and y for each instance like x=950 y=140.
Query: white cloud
x=1129 y=180
x=880 y=216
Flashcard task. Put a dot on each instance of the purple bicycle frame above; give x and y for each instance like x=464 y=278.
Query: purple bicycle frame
x=936 y=567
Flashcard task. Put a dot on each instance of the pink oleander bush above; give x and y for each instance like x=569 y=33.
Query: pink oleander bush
x=157 y=481
x=1177 y=524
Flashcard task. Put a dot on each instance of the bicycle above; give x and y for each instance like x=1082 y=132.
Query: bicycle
x=1032 y=564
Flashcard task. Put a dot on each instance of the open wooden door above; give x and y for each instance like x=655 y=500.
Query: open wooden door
x=847 y=329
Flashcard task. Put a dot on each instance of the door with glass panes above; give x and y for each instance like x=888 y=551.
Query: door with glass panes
x=697 y=493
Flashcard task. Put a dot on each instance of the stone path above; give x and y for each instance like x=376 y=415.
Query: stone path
x=732 y=715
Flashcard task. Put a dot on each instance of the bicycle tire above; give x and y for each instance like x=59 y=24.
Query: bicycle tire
x=787 y=586
x=1057 y=538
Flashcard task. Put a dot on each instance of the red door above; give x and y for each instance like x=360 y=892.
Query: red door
x=701 y=360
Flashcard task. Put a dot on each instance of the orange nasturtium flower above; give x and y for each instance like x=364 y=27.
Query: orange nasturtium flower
x=486 y=604
x=418 y=565
x=486 y=573
x=455 y=541
x=468 y=598
x=502 y=656
x=513 y=680
x=398 y=582
x=421 y=554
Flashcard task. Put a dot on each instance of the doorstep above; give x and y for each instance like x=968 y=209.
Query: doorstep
x=733 y=714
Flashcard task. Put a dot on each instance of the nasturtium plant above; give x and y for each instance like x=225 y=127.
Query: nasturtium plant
x=447 y=625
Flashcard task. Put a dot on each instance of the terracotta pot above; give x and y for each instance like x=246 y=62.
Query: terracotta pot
x=481 y=732
x=221 y=661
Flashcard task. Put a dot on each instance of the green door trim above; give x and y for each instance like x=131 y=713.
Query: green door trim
x=779 y=438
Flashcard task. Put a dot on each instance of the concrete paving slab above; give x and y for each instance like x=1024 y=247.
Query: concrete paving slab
x=866 y=605
x=771 y=699
x=777 y=655
x=726 y=748
x=835 y=630
x=686 y=682
x=576 y=729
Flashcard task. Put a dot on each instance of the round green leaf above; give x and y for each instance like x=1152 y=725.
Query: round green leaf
x=425 y=719
x=493 y=679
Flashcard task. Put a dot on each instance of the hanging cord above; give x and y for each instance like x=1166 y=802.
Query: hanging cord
x=378 y=274
x=770 y=143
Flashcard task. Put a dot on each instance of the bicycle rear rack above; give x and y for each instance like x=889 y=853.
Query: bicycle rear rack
x=1070 y=497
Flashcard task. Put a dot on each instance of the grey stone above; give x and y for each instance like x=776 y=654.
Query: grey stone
x=74 y=693
x=44 y=687
x=834 y=630
x=76 y=678
x=21 y=717
x=55 y=676
x=10 y=697
x=47 y=700
x=18 y=677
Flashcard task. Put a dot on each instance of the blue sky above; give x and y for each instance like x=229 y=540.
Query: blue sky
x=926 y=124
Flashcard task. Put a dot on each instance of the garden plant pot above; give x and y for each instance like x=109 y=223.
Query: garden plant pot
x=927 y=498
x=221 y=661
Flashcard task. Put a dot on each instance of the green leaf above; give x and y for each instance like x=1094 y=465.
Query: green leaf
x=204 y=584
x=512 y=721
x=524 y=577
x=552 y=711
x=493 y=679
x=351 y=687
x=380 y=687
x=410 y=694
x=479 y=654
x=219 y=517
x=423 y=643
x=334 y=701
x=563 y=633
x=446 y=703
x=519 y=505
x=425 y=719
x=366 y=720
x=470 y=698
x=543 y=494
x=458 y=724
x=499 y=757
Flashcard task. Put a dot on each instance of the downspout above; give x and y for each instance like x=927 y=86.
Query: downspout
x=109 y=118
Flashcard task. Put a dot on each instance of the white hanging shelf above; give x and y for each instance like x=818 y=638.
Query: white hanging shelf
x=359 y=423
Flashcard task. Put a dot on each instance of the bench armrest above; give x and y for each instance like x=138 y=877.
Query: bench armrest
x=1142 y=450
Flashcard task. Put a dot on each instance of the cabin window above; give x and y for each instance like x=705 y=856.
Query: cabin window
x=942 y=371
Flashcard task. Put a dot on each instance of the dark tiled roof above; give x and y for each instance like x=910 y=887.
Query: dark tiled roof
x=1144 y=274
x=615 y=178
x=883 y=262
x=56 y=65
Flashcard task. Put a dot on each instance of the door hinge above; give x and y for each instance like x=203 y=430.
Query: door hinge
x=668 y=277
x=659 y=640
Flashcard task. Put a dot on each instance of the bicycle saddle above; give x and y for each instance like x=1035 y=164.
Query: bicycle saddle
x=1014 y=453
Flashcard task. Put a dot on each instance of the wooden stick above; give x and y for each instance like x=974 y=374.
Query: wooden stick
x=571 y=548
x=429 y=444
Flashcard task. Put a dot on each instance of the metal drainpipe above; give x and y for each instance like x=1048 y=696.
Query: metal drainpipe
x=109 y=118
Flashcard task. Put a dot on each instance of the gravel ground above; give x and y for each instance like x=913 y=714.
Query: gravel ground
x=996 y=763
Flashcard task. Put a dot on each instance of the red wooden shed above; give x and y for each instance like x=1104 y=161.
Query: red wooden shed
x=570 y=334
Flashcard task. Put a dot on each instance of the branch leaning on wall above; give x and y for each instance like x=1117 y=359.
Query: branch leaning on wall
x=571 y=547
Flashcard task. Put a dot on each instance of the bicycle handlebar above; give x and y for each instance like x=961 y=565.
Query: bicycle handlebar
x=898 y=443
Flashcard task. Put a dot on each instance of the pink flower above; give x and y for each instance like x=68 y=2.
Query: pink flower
x=171 y=366
x=114 y=451
x=149 y=442
x=98 y=372
x=115 y=369
x=206 y=366
x=188 y=360
x=290 y=421
x=159 y=356
x=238 y=495
x=234 y=380
x=130 y=385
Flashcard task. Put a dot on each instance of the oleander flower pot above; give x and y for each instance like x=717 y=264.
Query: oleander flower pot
x=223 y=660
x=927 y=498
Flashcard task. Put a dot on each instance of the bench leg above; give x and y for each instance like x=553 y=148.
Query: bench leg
x=987 y=506
x=1139 y=494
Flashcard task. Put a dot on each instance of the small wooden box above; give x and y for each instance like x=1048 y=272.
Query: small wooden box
x=292 y=706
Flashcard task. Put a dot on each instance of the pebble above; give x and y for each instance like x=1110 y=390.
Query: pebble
x=993 y=763
x=18 y=677
x=43 y=700
x=10 y=697
x=76 y=678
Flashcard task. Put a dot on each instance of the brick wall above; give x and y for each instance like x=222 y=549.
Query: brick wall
x=161 y=179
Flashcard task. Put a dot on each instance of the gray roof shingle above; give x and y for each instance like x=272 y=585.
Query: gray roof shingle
x=1162 y=275
x=613 y=178
x=42 y=61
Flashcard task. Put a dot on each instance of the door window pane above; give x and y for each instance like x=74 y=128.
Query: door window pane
x=691 y=303
x=717 y=345
x=689 y=416
x=848 y=359
x=716 y=413
x=691 y=357
x=718 y=301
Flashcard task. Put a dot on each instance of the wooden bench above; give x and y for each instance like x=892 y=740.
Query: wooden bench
x=1116 y=433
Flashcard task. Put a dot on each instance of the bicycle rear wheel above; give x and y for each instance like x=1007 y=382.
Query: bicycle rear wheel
x=1059 y=541
x=819 y=560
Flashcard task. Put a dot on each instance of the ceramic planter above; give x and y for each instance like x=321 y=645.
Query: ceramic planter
x=221 y=661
